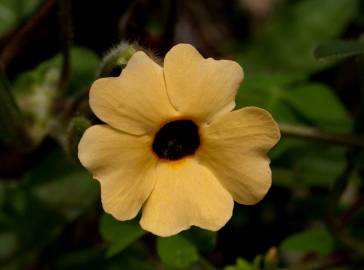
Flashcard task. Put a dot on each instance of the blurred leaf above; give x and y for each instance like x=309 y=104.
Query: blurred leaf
x=241 y=264
x=257 y=262
x=176 y=251
x=309 y=165
x=57 y=194
x=278 y=149
x=61 y=190
x=304 y=164
x=320 y=105
x=313 y=101
x=37 y=89
x=287 y=41
x=75 y=130
x=119 y=234
x=84 y=65
x=19 y=263
x=339 y=48
x=8 y=244
x=33 y=226
x=35 y=98
x=13 y=12
x=204 y=240
x=93 y=258
x=320 y=166
x=283 y=177
x=266 y=92
x=51 y=167
x=52 y=180
x=314 y=240
x=54 y=193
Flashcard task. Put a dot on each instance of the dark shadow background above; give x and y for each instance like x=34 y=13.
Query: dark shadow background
x=304 y=170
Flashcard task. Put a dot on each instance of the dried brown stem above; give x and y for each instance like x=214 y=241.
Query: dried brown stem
x=18 y=40
x=318 y=135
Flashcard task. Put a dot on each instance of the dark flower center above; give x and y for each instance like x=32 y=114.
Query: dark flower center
x=176 y=140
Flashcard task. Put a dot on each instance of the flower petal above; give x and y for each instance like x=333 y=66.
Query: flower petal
x=234 y=148
x=185 y=194
x=200 y=87
x=122 y=164
x=135 y=102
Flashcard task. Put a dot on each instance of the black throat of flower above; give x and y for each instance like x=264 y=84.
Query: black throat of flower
x=176 y=140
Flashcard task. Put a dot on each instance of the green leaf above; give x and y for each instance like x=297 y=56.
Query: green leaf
x=12 y=12
x=267 y=92
x=204 y=240
x=51 y=182
x=57 y=193
x=84 y=65
x=76 y=129
x=339 y=48
x=52 y=179
x=309 y=164
x=176 y=251
x=36 y=90
x=279 y=149
x=283 y=177
x=285 y=45
x=319 y=104
x=320 y=166
x=8 y=244
x=119 y=234
x=314 y=240
x=53 y=194
x=257 y=262
x=241 y=264
x=304 y=164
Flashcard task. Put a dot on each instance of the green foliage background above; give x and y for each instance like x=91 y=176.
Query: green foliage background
x=303 y=62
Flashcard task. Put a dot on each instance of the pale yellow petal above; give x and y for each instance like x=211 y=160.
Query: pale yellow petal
x=234 y=148
x=198 y=87
x=123 y=164
x=135 y=102
x=185 y=194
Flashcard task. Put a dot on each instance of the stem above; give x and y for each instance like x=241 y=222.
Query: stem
x=19 y=39
x=65 y=25
x=318 y=135
x=65 y=21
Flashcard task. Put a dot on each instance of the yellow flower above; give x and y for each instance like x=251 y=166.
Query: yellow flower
x=173 y=147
